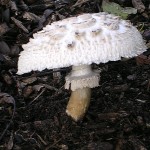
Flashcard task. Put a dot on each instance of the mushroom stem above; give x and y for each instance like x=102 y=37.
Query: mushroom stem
x=78 y=103
x=81 y=79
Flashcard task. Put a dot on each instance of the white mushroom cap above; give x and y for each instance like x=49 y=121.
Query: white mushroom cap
x=85 y=39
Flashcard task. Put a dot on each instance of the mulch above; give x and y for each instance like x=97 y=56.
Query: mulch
x=32 y=106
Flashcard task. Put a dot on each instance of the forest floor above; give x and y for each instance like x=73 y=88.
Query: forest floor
x=32 y=106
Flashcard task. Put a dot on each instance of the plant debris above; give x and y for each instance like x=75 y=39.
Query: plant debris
x=32 y=106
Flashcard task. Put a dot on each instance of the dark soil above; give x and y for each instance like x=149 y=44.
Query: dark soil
x=32 y=106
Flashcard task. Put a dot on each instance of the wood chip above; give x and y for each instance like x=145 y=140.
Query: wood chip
x=142 y=59
x=138 y=4
x=19 y=24
x=30 y=16
x=3 y=28
x=80 y=2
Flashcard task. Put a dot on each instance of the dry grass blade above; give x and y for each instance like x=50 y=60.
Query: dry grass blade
x=43 y=90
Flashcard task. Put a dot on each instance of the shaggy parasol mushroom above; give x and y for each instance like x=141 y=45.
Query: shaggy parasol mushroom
x=78 y=42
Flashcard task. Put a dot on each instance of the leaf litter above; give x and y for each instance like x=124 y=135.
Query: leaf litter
x=32 y=106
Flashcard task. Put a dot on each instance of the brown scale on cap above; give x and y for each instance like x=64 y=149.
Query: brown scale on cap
x=85 y=24
x=71 y=45
x=96 y=32
x=78 y=34
x=114 y=26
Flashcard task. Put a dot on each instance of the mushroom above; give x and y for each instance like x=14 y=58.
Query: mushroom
x=79 y=42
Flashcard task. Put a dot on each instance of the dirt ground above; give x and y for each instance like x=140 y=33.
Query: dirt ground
x=32 y=106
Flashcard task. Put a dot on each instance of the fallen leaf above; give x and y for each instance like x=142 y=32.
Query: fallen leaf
x=116 y=9
x=129 y=10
